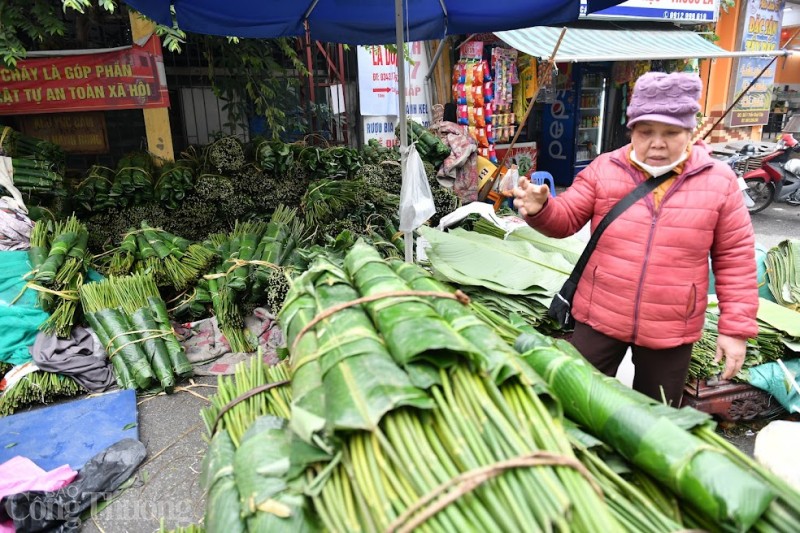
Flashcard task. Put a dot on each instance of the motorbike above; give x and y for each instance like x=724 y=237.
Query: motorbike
x=737 y=160
x=778 y=177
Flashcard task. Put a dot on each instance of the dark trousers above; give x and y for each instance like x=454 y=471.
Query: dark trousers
x=657 y=371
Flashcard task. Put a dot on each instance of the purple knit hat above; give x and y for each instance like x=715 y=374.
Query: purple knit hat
x=668 y=98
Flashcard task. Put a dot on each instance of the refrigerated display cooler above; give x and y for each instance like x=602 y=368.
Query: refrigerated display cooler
x=591 y=102
x=573 y=125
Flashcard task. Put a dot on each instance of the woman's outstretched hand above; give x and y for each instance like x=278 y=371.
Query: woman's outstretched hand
x=529 y=198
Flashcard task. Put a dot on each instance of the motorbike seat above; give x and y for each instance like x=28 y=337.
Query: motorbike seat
x=793 y=166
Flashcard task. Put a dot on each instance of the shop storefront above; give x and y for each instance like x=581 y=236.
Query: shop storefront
x=579 y=111
x=583 y=113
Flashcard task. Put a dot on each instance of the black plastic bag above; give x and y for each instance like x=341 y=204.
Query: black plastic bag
x=60 y=510
x=561 y=306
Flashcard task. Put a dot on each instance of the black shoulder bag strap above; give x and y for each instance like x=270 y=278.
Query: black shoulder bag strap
x=562 y=301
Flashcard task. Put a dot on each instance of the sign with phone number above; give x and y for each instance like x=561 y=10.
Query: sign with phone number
x=690 y=11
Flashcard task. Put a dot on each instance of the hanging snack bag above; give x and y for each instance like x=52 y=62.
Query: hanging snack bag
x=463 y=114
x=483 y=140
x=488 y=112
x=488 y=91
x=480 y=121
x=477 y=96
x=469 y=75
x=462 y=95
x=471 y=116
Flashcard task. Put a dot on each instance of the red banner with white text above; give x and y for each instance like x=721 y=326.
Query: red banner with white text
x=130 y=78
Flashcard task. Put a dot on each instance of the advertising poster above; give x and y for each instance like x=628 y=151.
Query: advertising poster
x=691 y=11
x=378 y=88
x=131 y=78
x=761 y=32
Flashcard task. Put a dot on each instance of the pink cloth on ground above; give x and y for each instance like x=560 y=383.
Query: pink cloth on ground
x=20 y=474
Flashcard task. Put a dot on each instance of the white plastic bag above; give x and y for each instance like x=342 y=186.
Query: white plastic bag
x=776 y=449
x=510 y=180
x=416 y=199
x=7 y=182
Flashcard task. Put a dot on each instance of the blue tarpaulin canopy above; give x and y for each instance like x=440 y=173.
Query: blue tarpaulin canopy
x=360 y=21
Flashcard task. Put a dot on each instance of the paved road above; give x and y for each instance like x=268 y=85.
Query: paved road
x=776 y=223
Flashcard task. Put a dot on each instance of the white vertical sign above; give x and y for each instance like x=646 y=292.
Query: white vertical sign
x=378 y=92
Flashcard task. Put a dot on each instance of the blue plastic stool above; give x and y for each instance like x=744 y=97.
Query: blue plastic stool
x=540 y=177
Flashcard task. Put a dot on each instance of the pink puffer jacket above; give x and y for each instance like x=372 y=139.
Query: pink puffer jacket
x=647 y=280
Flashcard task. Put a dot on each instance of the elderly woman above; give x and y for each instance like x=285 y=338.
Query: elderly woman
x=645 y=285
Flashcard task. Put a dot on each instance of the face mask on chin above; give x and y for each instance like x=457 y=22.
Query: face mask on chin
x=658 y=171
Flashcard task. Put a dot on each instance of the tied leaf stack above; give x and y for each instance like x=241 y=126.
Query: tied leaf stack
x=175 y=180
x=173 y=260
x=38 y=168
x=36 y=388
x=766 y=347
x=248 y=256
x=719 y=488
x=783 y=267
x=136 y=182
x=37 y=177
x=15 y=144
x=92 y=193
x=133 y=183
x=430 y=147
x=279 y=252
x=132 y=322
x=58 y=256
x=433 y=420
x=407 y=411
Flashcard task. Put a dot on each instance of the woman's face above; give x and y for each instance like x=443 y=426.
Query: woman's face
x=659 y=144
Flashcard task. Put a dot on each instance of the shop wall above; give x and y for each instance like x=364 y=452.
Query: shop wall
x=716 y=73
x=788 y=72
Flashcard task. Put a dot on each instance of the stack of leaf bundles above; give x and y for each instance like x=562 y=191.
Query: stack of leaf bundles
x=37 y=387
x=58 y=258
x=174 y=181
x=783 y=267
x=131 y=321
x=230 y=279
x=422 y=398
x=91 y=194
x=173 y=260
x=133 y=183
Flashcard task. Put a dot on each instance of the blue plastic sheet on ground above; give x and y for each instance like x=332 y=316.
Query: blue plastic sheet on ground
x=20 y=321
x=71 y=432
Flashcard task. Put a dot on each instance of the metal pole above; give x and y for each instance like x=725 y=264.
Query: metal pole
x=401 y=112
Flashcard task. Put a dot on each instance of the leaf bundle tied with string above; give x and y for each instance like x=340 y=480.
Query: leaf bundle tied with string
x=58 y=256
x=131 y=320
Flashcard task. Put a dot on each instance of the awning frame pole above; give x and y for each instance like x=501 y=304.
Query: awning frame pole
x=408 y=236
x=489 y=185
